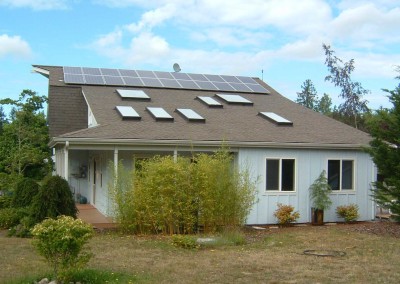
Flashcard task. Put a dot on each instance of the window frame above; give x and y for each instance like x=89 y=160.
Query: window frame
x=279 y=190
x=341 y=190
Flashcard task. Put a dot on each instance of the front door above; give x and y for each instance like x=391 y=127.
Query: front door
x=94 y=180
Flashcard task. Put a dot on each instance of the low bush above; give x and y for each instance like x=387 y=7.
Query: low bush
x=5 y=201
x=61 y=242
x=185 y=241
x=285 y=214
x=10 y=217
x=348 y=212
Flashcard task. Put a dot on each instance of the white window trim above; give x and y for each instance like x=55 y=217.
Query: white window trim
x=280 y=191
x=343 y=191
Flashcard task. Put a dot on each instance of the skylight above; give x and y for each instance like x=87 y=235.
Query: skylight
x=276 y=118
x=209 y=101
x=234 y=99
x=127 y=112
x=190 y=114
x=133 y=94
x=159 y=113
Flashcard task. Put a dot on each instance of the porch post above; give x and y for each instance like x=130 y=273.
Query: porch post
x=66 y=160
x=116 y=159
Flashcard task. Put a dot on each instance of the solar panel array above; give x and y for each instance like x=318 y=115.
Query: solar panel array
x=157 y=79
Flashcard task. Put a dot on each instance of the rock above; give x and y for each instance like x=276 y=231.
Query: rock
x=44 y=281
x=205 y=240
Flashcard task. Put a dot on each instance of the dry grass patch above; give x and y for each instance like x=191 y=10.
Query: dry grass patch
x=273 y=256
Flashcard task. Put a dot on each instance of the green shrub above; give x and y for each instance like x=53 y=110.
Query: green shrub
x=348 y=212
x=25 y=191
x=320 y=192
x=285 y=214
x=175 y=196
x=61 y=242
x=185 y=241
x=53 y=199
x=10 y=217
x=5 y=201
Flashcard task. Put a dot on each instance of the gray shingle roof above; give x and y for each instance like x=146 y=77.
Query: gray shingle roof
x=236 y=123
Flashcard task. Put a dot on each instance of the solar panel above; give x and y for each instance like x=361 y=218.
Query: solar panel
x=197 y=77
x=133 y=94
x=109 y=72
x=206 y=85
x=146 y=74
x=188 y=84
x=276 y=118
x=168 y=83
x=210 y=102
x=158 y=79
x=74 y=79
x=165 y=75
x=72 y=70
x=94 y=80
x=133 y=81
x=159 y=113
x=152 y=82
x=230 y=79
x=234 y=99
x=247 y=80
x=257 y=88
x=128 y=112
x=224 y=86
x=214 y=78
x=113 y=80
x=190 y=114
x=91 y=71
x=182 y=76
x=128 y=73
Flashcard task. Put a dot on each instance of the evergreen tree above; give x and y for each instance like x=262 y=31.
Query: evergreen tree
x=308 y=95
x=324 y=105
x=385 y=152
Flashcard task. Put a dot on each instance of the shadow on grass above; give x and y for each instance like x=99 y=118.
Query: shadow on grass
x=91 y=276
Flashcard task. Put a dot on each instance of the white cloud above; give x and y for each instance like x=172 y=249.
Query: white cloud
x=35 y=4
x=228 y=37
x=145 y=47
x=254 y=33
x=367 y=26
x=152 y=18
x=14 y=46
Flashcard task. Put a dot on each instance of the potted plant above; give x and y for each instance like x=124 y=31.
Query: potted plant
x=320 y=198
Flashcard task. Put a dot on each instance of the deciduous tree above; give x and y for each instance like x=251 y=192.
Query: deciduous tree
x=352 y=92
x=23 y=141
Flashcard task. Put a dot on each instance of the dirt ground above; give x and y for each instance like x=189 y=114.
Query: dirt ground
x=378 y=228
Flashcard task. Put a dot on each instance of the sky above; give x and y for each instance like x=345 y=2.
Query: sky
x=279 y=41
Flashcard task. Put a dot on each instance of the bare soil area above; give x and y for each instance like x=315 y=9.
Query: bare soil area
x=370 y=253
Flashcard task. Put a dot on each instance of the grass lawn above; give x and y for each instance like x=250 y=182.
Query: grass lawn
x=269 y=256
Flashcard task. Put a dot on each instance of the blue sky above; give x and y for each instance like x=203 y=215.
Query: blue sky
x=233 y=37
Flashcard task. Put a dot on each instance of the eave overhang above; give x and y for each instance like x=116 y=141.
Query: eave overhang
x=87 y=142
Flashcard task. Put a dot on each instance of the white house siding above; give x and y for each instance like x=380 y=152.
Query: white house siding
x=308 y=165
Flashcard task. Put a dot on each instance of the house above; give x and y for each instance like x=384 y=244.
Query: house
x=99 y=115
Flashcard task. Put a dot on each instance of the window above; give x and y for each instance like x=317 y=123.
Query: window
x=341 y=174
x=280 y=174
